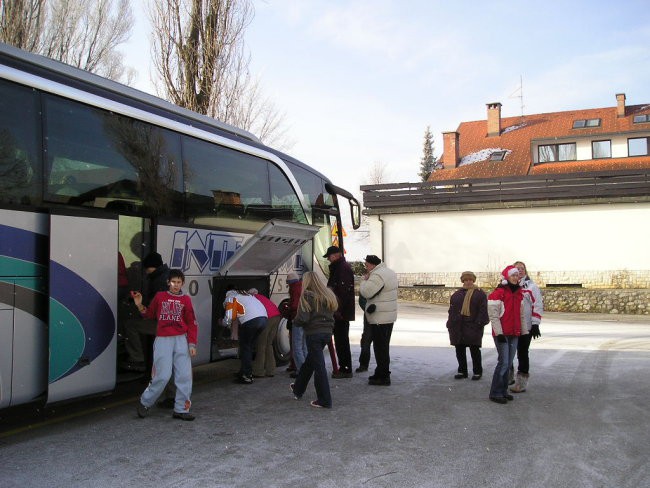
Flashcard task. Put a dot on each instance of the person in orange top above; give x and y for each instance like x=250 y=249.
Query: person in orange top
x=251 y=317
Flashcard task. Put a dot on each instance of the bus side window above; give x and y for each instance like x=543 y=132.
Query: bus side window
x=112 y=157
x=20 y=168
x=284 y=200
x=222 y=183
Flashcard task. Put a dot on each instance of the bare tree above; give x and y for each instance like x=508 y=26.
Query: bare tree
x=377 y=174
x=201 y=62
x=86 y=33
x=21 y=22
x=258 y=114
x=82 y=33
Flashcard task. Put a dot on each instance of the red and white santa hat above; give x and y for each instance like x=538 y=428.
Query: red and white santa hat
x=507 y=273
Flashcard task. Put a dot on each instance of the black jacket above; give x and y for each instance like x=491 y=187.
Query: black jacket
x=156 y=281
x=341 y=281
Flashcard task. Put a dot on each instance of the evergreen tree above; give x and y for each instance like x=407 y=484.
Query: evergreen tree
x=428 y=163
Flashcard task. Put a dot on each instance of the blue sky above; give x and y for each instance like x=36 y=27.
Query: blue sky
x=359 y=81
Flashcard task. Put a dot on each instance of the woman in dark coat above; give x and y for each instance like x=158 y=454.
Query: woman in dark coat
x=467 y=317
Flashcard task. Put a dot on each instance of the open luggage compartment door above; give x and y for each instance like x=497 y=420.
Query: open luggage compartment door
x=250 y=267
x=268 y=249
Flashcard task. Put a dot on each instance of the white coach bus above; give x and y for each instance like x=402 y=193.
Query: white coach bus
x=90 y=169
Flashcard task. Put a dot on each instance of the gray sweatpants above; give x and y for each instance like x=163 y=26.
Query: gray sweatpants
x=170 y=354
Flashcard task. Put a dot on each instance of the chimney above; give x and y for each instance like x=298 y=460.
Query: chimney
x=493 y=119
x=450 y=150
x=620 y=105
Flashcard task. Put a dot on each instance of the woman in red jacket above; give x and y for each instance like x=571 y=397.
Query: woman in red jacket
x=505 y=311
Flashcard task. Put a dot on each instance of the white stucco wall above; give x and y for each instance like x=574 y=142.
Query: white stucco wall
x=578 y=238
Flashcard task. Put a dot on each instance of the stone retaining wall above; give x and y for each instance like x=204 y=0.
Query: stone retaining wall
x=635 y=302
x=611 y=279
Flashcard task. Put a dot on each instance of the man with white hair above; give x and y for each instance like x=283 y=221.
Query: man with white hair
x=379 y=288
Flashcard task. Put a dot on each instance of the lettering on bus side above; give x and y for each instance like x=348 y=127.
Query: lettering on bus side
x=284 y=240
x=206 y=253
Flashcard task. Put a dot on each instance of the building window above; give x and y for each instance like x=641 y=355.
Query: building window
x=557 y=152
x=583 y=123
x=601 y=149
x=640 y=119
x=638 y=146
x=497 y=156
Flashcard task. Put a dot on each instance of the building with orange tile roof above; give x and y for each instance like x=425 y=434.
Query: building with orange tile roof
x=566 y=192
x=576 y=141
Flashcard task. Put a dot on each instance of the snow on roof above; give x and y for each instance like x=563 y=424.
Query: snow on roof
x=481 y=155
x=514 y=127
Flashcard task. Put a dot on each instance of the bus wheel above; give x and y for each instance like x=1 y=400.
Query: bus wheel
x=282 y=344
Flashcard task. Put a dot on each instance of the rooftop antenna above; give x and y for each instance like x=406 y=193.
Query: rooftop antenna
x=520 y=96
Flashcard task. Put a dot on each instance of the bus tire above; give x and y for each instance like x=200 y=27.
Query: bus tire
x=282 y=343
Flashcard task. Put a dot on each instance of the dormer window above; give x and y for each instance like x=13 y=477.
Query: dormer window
x=601 y=149
x=557 y=152
x=638 y=146
x=585 y=123
x=497 y=156
x=640 y=119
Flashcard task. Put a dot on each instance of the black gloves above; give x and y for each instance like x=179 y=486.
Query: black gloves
x=534 y=331
x=501 y=338
x=371 y=308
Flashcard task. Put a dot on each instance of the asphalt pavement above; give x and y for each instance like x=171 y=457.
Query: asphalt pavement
x=582 y=422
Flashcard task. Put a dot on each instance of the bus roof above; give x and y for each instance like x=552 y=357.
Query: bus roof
x=57 y=71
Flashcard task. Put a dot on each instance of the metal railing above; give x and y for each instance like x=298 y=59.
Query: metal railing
x=595 y=185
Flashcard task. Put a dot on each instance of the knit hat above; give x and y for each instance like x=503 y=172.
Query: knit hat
x=292 y=277
x=507 y=273
x=467 y=275
x=152 y=260
x=372 y=259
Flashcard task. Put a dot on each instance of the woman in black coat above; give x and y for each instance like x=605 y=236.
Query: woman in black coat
x=467 y=317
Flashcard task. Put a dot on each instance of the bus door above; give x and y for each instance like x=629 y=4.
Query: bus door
x=82 y=305
x=354 y=209
x=23 y=307
x=134 y=244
